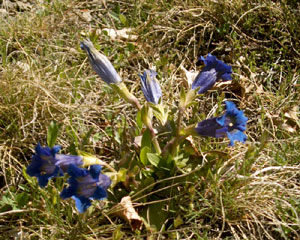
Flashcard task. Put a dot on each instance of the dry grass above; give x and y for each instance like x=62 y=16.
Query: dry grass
x=251 y=193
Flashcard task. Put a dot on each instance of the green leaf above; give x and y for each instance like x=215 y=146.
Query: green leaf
x=159 y=112
x=7 y=201
x=135 y=170
x=153 y=159
x=155 y=215
x=248 y=161
x=72 y=149
x=182 y=98
x=22 y=199
x=27 y=177
x=190 y=96
x=85 y=140
x=123 y=19
x=146 y=114
x=143 y=155
x=97 y=137
x=178 y=221
x=130 y=47
x=52 y=133
x=139 y=119
x=146 y=139
x=181 y=160
x=118 y=234
x=121 y=176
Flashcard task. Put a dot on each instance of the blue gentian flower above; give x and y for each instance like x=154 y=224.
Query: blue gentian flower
x=150 y=86
x=85 y=185
x=46 y=163
x=213 y=71
x=100 y=63
x=232 y=124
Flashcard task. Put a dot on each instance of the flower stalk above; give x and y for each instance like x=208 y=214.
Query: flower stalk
x=147 y=120
x=124 y=93
x=89 y=159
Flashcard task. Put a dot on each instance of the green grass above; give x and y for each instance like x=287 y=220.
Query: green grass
x=251 y=191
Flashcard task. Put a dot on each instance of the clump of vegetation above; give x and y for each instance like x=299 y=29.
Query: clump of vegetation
x=180 y=186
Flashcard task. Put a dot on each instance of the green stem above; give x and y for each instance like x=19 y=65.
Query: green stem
x=147 y=120
x=105 y=165
x=89 y=160
x=179 y=120
x=124 y=93
x=154 y=139
x=170 y=148
x=136 y=104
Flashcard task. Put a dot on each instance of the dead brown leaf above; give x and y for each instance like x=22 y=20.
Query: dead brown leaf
x=189 y=76
x=123 y=34
x=126 y=211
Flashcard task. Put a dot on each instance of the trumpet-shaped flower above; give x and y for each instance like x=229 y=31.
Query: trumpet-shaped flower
x=232 y=124
x=213 y=71
x=85 y=185
x=150 y=86
x=46 y=163
x=100 y=63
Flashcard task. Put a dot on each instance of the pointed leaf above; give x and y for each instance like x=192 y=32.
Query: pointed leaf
x=139 y=119
x=143 y=155
x=52 y=133
x=118 y=234
x=182 y=98
x=155 y=215
x=146 y=139
x=123 y=19
x=153 y=159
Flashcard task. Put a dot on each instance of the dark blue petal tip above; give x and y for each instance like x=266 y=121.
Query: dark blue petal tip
x=231 y=124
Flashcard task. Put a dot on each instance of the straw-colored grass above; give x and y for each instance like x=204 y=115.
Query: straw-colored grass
x=252 y=190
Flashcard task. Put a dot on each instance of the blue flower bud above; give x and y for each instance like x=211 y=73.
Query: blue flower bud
x=100 y=63
x=150 y=86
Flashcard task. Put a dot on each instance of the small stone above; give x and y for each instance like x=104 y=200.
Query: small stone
x=87 y=16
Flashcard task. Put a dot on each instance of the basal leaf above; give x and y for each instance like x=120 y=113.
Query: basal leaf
x=52 y=133
x=143 y=155
x=153 y=159
x=146 y=139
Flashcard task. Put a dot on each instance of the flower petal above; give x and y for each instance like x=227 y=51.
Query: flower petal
x=104 y=181
x=85 y=185
x=99 y=194
x=226 y=77
x=33 y=168
x=210 y=60
x=207 y=127
x=82 y=204
x=100 y=63
x=40 y=151
x=232 y=123
x=236 y=136
x=150 y=86
x=44 y=178
x=69 y=191
x=205 y=80
x=75 y=171
x=43 y=164
x=63 y=161
x=55 y=149
x=213 y=71
x=95 y=171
